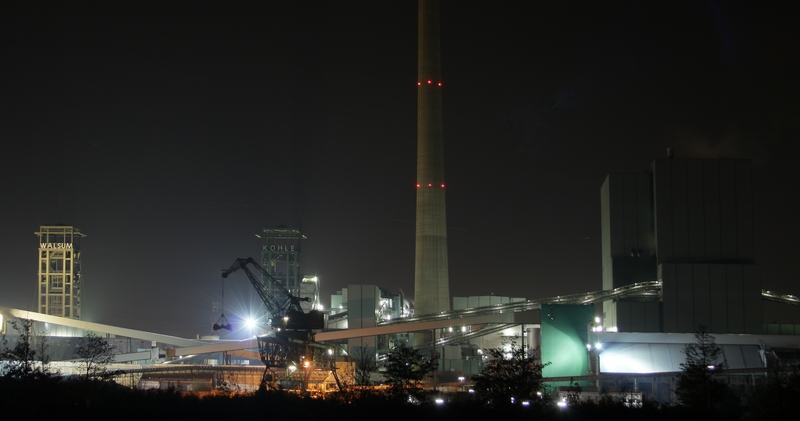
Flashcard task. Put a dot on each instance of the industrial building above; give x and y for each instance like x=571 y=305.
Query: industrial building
x=687 y=223
x=677 y=252
x=679 y=235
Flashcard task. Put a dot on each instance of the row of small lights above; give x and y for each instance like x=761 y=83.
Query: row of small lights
x=430 y=82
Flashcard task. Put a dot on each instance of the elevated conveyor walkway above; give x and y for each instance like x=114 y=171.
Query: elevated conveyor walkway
x=647 y=290
x=495 y=318
x=642 y=289
x=84 y=326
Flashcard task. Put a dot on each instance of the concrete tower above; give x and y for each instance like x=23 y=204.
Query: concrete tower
x=280 y=257
x=431 y=283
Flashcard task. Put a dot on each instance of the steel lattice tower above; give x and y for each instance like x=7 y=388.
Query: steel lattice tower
x=59 y=280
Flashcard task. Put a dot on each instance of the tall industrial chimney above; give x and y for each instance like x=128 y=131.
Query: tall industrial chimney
x=431 y=283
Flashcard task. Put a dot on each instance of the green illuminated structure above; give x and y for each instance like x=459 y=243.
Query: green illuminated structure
x=565 y=333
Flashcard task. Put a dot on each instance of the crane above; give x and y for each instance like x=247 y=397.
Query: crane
x=293 y=328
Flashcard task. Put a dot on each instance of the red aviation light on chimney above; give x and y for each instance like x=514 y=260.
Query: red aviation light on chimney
x=419 y=83
x=440 y=83
x=442 y=185
x=417 y=185
x=429 y=82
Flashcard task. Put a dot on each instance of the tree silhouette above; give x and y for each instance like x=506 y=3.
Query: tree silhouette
x=696 y=386
x=509 y=376
x=406 y=368
x=21 y=362
x=364 y=358
x=96 y=355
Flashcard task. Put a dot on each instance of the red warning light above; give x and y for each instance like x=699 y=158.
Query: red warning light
x=430 y=185
x=442 y=185
x=429 y=82
x=417 y=185
x=440 y=83
x=419 y=83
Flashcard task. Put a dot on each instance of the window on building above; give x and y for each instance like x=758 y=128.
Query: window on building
x=56 y=307
x=56 y=283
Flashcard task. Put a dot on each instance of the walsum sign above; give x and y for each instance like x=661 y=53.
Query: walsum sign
x=55 y=245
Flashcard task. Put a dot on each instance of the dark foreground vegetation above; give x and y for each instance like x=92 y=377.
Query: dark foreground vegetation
x=97 y=399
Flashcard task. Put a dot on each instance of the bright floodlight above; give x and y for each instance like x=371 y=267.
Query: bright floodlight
x=250 y=322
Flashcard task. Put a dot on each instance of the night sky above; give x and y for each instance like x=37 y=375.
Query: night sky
x=171 y=132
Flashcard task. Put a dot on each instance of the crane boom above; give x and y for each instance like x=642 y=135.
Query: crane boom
x=285 y=313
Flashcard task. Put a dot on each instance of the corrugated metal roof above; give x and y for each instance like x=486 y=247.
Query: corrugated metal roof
x=661 y=358
x=742 y=356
